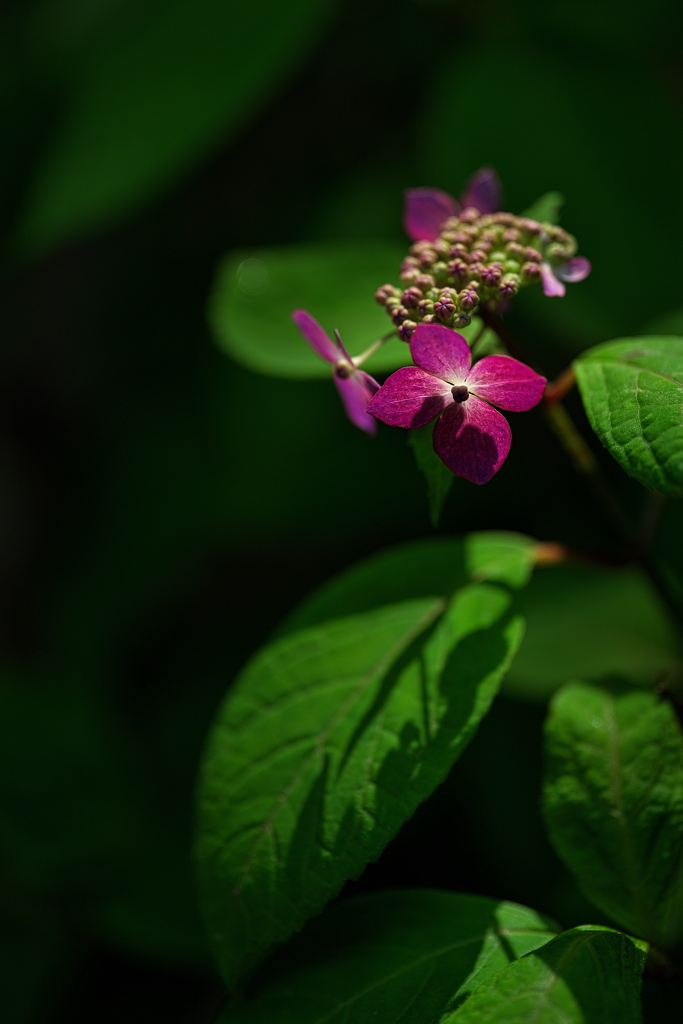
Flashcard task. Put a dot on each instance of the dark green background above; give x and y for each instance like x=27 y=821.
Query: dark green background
x=161 y=509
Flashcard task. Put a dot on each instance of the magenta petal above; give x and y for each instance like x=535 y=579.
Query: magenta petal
x=574 y=270
x=425 y=211
x=441 y=351
x=483 y=190
x=316 y=337
x=355 y=391
x=506 y=382
x=472 y=439
x=551 y=285
x=410 y=398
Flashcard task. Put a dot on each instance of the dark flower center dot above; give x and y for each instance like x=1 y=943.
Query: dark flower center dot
x=343 y=371
x=460 y=393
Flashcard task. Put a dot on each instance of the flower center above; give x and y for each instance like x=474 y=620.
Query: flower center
x=342 y=369
x=460 y=393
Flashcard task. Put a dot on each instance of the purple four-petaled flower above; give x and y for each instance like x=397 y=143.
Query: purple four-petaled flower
x=355 y=387
x=470 y=436
x=426 y=209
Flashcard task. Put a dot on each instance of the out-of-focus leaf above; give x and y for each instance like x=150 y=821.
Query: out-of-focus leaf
x=632 y=389
x=329 y=741
x=381 y=956
x=614 y=804
x=587 y=975
x=588 y=622
x=148 y=103
x=546 y=209
x=256 y=292
x=439 y=478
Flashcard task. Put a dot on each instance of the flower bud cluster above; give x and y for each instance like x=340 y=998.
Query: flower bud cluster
x=476 y=259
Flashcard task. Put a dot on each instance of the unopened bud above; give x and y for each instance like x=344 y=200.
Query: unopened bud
x=429 y=319
x=532 y=227
x=444 y=308
x=509 y=286
x=468 y=299
x=425 y=308
x=410 y=276
x=532 y=254
x=425 y=282
x=478 y=256
x=515 y=249
x=459 y=249
x=411 y=297
x=475 y=271
x=440 y=271
x=387 y=291
x=462 y=320
x=405 y=331
x=530 y=272
x=511 y=266
x=399 y=315
x=462 y=237
x=491 y=275
x=427 y=259
x=469 y=215
x=511 y=235
x=459 y=269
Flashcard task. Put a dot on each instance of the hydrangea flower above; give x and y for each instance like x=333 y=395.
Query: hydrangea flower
x=355 y=387
x=470 y=436
x=426 y=209
x=553 y=277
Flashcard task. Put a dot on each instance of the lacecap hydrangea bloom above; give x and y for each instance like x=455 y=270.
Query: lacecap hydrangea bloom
x=467 y=253
x=355 y=387
x=470 y=436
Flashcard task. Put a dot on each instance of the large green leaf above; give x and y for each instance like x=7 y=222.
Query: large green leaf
x=145 y=104
x=614 y=804
x=383 y=956
x=256 y=292
x=331 y=738
x=633 y=393
x=422 y=568
x=588 y=622
x=584 y=976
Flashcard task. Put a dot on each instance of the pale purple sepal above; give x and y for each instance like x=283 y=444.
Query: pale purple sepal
x=507 y=383
x=425 y=211
x=316 y=337
x=472 y=439
x=576 y=269
x=355 y=391
x=483 y=191
x=552 y=285
x=410 y=398
x=441 y=351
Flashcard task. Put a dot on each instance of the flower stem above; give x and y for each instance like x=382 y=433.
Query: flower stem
x=370 y=351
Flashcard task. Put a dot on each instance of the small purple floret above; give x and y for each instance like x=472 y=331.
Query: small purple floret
x=355 y=387
x=470 y=436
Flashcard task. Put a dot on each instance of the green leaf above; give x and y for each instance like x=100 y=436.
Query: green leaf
x=379 y=957
x=255 y=293
x=149 y=102
x=614 y=804
x=439 y=477
x=632 y=389
x=422 y=568
x=589 y=622
x=331 y=738
x=546 y=209
x=584 y=976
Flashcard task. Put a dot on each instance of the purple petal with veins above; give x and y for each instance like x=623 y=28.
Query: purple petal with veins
x=472 y=439
x=410 y=398
x=483 y=190
x=425 y=211
x=552 y=285
x=355 y=391
x=506 y=382
x=317 y=338
x=574 y=270
x=441 y=351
